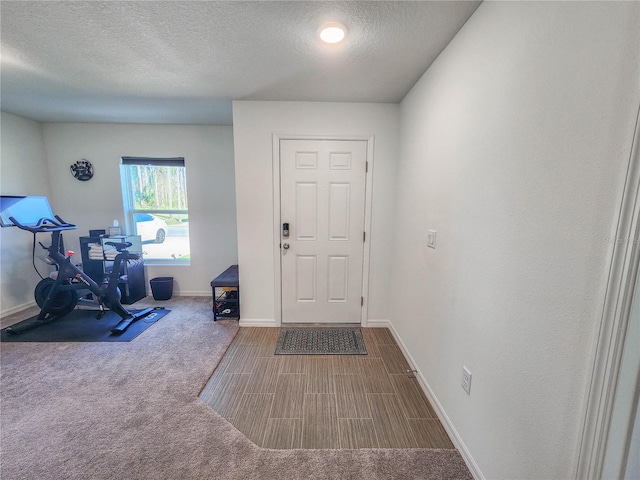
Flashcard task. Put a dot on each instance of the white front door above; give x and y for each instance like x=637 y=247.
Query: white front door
x=322 y=199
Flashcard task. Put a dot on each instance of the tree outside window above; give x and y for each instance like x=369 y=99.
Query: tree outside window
x=154 y=194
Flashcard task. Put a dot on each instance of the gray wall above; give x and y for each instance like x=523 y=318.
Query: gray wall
x=23 y=171
x=254 y=126
x=514 y=148
x=208 y=152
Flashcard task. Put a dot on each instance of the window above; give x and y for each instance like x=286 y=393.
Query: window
x=154 y=193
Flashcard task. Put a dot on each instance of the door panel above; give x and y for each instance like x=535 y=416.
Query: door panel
x=307 y=211
x=339 y=207
x=306 y=275
x=338 y=283
x=322 y=197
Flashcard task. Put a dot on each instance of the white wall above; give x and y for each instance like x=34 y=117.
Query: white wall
x=254 y=124
x=94 y=204
x=514 y=147
x=23 y=171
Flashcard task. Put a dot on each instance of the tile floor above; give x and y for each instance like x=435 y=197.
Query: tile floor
x=322 y=401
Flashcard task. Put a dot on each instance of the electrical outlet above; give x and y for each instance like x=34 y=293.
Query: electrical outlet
x=466 y=380
x=431 y=238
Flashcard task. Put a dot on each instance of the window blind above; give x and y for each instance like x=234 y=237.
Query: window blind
x=155 y=161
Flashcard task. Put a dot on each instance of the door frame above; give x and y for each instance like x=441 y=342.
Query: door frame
x=276 y=137
x=614 y=323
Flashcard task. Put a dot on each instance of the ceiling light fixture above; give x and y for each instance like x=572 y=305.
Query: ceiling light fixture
x=332 y=32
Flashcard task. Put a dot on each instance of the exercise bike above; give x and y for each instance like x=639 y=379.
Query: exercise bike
x=59 y=296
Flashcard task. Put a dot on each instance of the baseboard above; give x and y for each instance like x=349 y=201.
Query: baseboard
x=258 y=322
x=17 y=308
x=24 y=306
x=378 y=323
x=186 y=294
x=435 y=403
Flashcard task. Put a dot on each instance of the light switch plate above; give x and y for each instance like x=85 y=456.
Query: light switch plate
x=466 y=380
x=431 y=238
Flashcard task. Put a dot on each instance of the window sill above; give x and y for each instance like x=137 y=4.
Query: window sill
x=156 y=262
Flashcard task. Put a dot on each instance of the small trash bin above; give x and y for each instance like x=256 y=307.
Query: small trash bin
x=161 y=288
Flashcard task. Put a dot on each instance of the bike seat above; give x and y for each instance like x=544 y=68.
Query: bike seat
x=120 y=246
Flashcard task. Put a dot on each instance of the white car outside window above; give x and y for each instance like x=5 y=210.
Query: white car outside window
x=150 y=227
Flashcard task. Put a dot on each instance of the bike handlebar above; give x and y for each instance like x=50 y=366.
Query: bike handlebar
x=45 y=225
x=50 y=225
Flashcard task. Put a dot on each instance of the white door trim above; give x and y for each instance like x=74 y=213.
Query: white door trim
x=276 y=137
x=614 y=323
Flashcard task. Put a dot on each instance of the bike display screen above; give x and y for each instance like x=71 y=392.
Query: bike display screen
x=27 y=210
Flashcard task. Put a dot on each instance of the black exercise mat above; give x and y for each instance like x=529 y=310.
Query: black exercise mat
x=320 y=341
x=82 y=326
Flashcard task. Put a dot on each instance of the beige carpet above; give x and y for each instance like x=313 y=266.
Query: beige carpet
x=130 y=411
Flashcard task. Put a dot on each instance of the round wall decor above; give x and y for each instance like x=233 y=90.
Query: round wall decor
x=82 y=170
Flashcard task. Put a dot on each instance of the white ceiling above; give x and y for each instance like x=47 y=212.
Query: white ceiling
x=184 y=61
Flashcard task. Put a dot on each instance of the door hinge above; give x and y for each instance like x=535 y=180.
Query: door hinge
x=366 y=167
x=361 y=301
x=364 y=237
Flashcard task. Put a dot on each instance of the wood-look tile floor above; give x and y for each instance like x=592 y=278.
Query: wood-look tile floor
x=322 y=401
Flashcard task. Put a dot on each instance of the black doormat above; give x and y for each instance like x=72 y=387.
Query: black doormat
x=320 y=341
x=82 y=326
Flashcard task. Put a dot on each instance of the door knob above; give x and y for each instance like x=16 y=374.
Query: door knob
x=285 y=246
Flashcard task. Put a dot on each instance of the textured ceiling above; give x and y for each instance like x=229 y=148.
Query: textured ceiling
x=184 y=61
